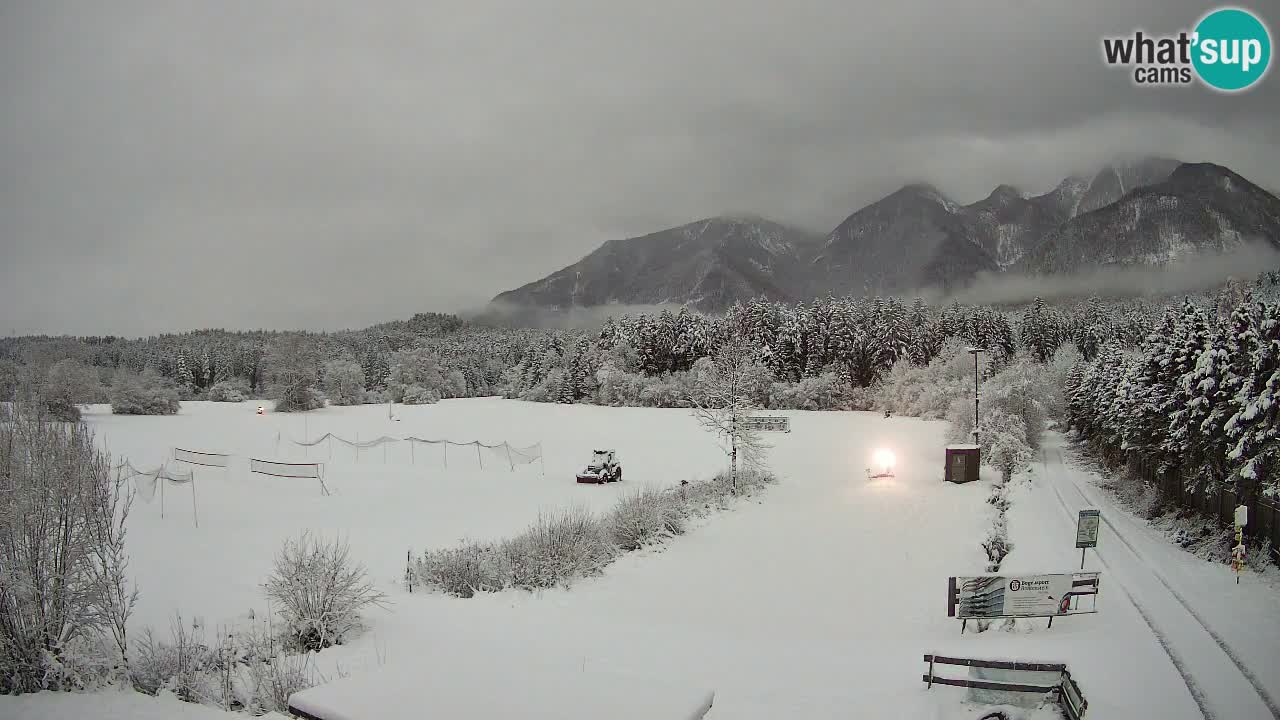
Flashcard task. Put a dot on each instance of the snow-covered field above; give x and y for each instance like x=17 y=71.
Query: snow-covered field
x=815 y=600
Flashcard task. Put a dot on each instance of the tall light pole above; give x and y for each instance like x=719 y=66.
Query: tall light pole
x=974 y=351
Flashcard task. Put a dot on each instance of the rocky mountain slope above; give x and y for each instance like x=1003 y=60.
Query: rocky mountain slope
x=1144 y=211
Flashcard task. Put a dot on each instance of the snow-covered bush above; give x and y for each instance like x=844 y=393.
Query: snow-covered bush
x=180 y=666
x=68 y=384
x=928 y=391
x=1021 y=389
x=64 y=597
x=421 y=368
x=245 y=670
x=645 y=517
x=562 y=547
x=668 y=391
x=272 y=680
x=823 y=392
x=997 y=544
x=344 y=382
x=229 y=391
x=1004 y=442
x=418 y=395
x=462 y=571
x=143 y=394
x=557 y=549
x=321 y=590
x=376 y=397
x=292 y=366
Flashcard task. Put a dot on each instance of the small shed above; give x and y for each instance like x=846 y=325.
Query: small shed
x=962 y=463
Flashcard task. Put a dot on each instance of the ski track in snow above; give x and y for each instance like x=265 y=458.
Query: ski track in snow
x=1179 y=663
x=1206 y=701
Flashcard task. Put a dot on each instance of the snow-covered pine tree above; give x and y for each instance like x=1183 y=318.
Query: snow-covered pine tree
x=1184 y=350
x=1256 y=425
x=182 y=372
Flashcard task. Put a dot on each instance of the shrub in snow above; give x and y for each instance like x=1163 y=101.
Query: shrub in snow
x=344 y=382
x=242 y=671
x=1004 y=443
x=418 y=395
x=64 y=597
x=320 y=589
x=645 y=517
x=67 y=384
x=823 y=392
x=229 y=391
x=145 y=394
x=668 y=391
x=376 y=397
x=272 y=680
x=421 y=368
x=928 y=391
x=181 y=666
x=462 y=571
x=557 y=549
x=997 y=544
x=562 y=547
x=292 y=367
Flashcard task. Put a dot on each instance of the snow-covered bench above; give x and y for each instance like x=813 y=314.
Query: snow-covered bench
x=472 y=691
x=1002 y=678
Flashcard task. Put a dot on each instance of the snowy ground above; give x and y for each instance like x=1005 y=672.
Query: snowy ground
x=816 y=600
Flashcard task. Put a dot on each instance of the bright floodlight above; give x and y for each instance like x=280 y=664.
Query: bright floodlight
x=884 y=459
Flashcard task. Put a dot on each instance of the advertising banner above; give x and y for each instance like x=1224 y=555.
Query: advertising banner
x=769 y=423
x=1000 y=596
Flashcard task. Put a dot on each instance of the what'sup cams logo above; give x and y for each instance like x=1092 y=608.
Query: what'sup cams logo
x=1229 y=50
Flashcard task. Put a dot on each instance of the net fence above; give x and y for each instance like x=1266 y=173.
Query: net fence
x=196 y=457
x=283 y=469
x=146 y=481
x=502 y=453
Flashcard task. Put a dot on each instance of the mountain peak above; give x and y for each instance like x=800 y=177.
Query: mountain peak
x=1006 y=193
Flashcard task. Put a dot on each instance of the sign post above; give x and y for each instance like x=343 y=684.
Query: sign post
x=1237 y=552
x=1087 y=531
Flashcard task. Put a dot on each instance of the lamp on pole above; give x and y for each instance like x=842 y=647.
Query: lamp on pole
x=974 y=351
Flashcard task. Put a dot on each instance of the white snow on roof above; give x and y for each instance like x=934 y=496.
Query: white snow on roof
x=964 y=447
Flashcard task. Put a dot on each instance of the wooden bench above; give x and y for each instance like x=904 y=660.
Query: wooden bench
x=1066 y=689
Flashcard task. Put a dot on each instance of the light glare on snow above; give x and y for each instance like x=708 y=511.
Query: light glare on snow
x=884 y=459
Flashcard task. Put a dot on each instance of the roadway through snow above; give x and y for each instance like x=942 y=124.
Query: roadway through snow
x=1223 y=685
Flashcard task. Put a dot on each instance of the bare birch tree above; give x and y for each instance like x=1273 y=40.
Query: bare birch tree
x=64 y=598
x=722 y=404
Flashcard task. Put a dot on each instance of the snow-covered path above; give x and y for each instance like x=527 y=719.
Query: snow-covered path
x=1222 y=638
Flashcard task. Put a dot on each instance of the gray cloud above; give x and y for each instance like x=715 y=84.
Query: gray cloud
x=326 y=164
x=1191 y=275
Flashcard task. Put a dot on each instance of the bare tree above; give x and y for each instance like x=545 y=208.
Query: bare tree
x=68 y=384
x=63 y=592
x=722 y=403
x=321 y=589
x=292 y=366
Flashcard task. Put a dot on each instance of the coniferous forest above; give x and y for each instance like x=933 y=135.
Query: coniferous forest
x=1185 y=386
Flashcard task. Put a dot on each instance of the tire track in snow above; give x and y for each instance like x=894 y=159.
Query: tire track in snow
x=1175 y=657
x=1222 y=644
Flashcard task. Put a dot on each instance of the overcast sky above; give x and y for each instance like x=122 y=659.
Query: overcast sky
x=327 y=164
